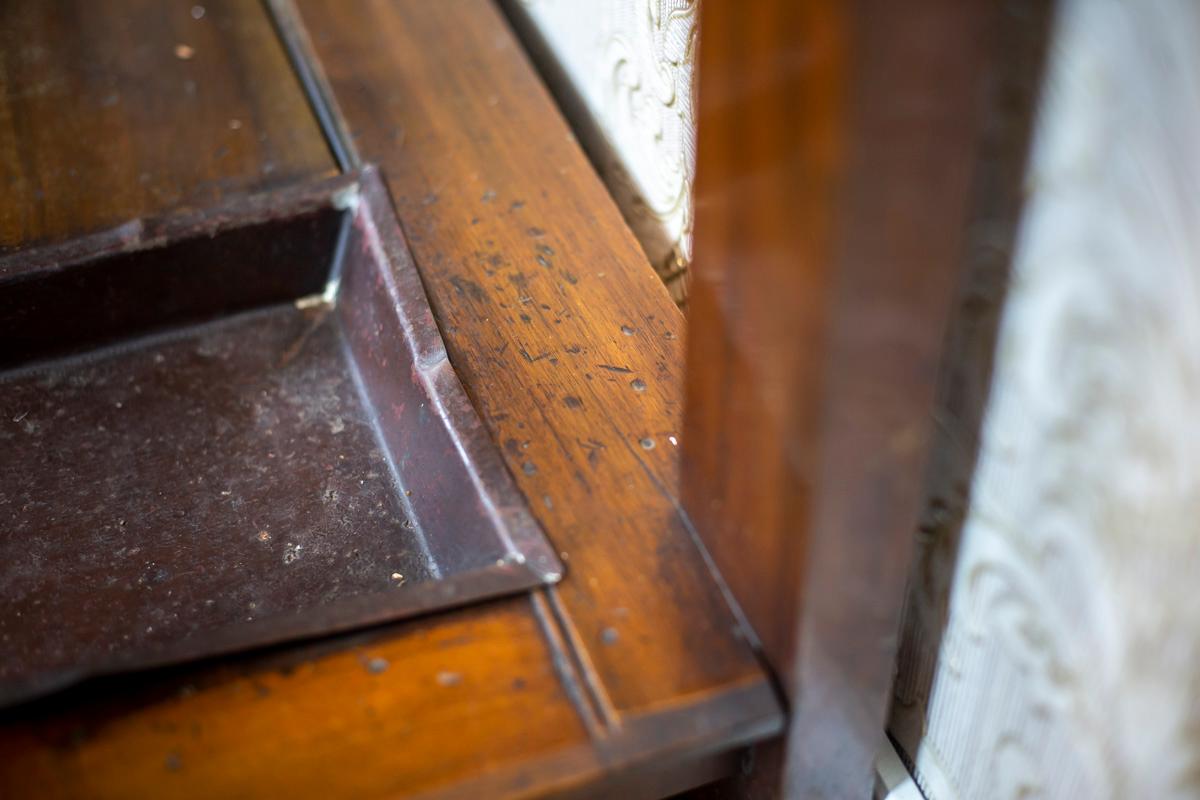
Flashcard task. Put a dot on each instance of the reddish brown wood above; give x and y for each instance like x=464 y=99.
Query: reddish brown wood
x=415 y=711
x=998 y=195
x=570 y=346
x=114 y=113
x=631 y=678
x=837 y=147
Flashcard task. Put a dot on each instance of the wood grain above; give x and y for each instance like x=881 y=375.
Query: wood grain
x=113 y=113
x=836 y=151
x=631 y=677
x=570 y=346
x=354 y=722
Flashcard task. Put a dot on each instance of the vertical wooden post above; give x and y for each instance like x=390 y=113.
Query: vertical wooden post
x=837 y=146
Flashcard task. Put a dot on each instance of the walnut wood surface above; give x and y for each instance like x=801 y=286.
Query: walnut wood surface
x=631 y=675
x=354 y=722
x=570 y=346
x=113 y=112
x=836 y=151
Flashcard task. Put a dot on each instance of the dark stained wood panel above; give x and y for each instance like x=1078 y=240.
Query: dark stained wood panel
x=571 y=347
x=114 y=112
x=837 y=153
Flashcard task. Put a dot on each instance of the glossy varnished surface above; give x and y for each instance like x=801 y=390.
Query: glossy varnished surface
x=570 y=346
x=836 y=155
x=112 y=112
x=352 y=722
x=629 y=677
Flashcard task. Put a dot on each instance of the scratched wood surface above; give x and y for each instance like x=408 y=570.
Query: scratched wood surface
x=631 y=675
x=342 y=723
x=572 y=349
x=112 y=112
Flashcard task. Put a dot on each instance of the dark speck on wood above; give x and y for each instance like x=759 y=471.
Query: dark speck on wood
x=638 y=385
x=593 y=448
x=531 y=359
x=614 y=368
x=529 y=468
x=573 y=402
x=468 y=287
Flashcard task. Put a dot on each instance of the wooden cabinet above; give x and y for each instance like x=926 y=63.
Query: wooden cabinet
x=630 y=675
x=632 y=572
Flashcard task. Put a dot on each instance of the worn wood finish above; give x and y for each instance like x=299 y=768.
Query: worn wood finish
x=629 y=678
x=360 y=720
x=569 y=344
x=835 y=165
x=113 y=113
